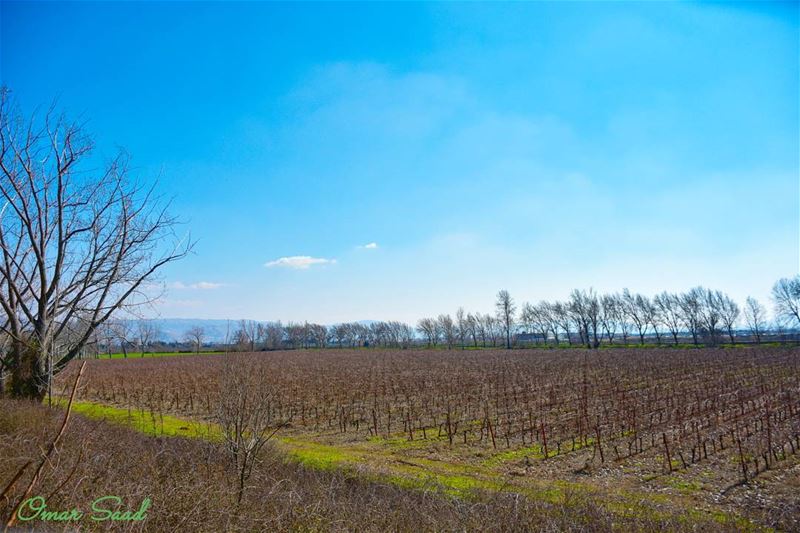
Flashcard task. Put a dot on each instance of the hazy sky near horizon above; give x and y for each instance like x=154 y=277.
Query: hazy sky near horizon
x=391 y=161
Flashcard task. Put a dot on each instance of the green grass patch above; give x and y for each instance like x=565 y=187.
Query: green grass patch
x=145 y=422
x=736 y=523
x=419 y=478
x=146 y=355
x=315 y=455
x=404 y=443
x=685 y=486
x=536 y=452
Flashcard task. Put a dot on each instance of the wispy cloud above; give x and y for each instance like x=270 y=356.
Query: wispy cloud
x=200 y=285
x=299 y=262
x=369 y=246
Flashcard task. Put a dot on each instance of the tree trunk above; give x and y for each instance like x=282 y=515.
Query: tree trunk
x=29 y=376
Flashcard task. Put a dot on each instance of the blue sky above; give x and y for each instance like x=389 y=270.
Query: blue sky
x=535 y=147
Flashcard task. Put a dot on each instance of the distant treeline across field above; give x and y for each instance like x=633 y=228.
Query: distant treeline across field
x=699 y=316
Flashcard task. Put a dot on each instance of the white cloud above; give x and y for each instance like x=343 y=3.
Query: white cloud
x=370 y=246
x=206 y=285
x=200 y=285
x=299 y=262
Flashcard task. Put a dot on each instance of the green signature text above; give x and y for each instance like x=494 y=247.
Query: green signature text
x=102 y=509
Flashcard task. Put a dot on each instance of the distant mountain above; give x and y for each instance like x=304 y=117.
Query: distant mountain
x=174 y=329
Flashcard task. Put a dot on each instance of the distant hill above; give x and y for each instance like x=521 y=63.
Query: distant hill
x=174 y=329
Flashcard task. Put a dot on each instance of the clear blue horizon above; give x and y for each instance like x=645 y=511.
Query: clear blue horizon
x=361 y=161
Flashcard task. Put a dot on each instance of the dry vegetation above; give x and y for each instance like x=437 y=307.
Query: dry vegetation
x=682 y=406
x=190 y=483
x=415 y=439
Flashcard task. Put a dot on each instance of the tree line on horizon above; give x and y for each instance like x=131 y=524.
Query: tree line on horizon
x=699 y=315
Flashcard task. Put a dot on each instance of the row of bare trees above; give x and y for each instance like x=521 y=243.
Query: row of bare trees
x=124 y=336
x=699 y=316
x=586 y=318
x=250 y=335
x=706 y=316
x=467 y=329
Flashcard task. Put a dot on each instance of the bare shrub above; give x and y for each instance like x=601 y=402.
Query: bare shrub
x=243 y=413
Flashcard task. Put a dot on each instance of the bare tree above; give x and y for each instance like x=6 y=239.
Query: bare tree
x=462 y=325
x=505 y=314
x=691 y=311
x=786 y=297
x=244 y=416
x=711 y=313
x=756 y=318
x=547 y=311
x=72 y=242
x=561 y=318
x=306 y=334
x=473 y=328
x=246 y=335
x=275 y=335
x=610 y=316
x=361 y=333
x=541 y=321
x=585 y=309
x=429 y=329
x=592 y=306
x=652 y=316
x=195 y=336
x=146 y=333
x=319 y=333
x=636 y=308
x=107 y=335
x=123 y=332
x=483 y=327
x=296 y=334
x=339 y=333
x=729 y=314
x=669 y=309
x=493 y=328
x=374 y=334
x=526 y=318
x=406 y=335
x=448 y=329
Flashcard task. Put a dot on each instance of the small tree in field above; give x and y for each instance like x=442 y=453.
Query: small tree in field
x=243 y=414
x=76 y=244
x=505 y=314
x=729 y=313
x=146 y=333
x=448 y=329
x=195 y=336
x=756 y=317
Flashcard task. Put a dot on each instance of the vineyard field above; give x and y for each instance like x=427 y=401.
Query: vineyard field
x=711 y=430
